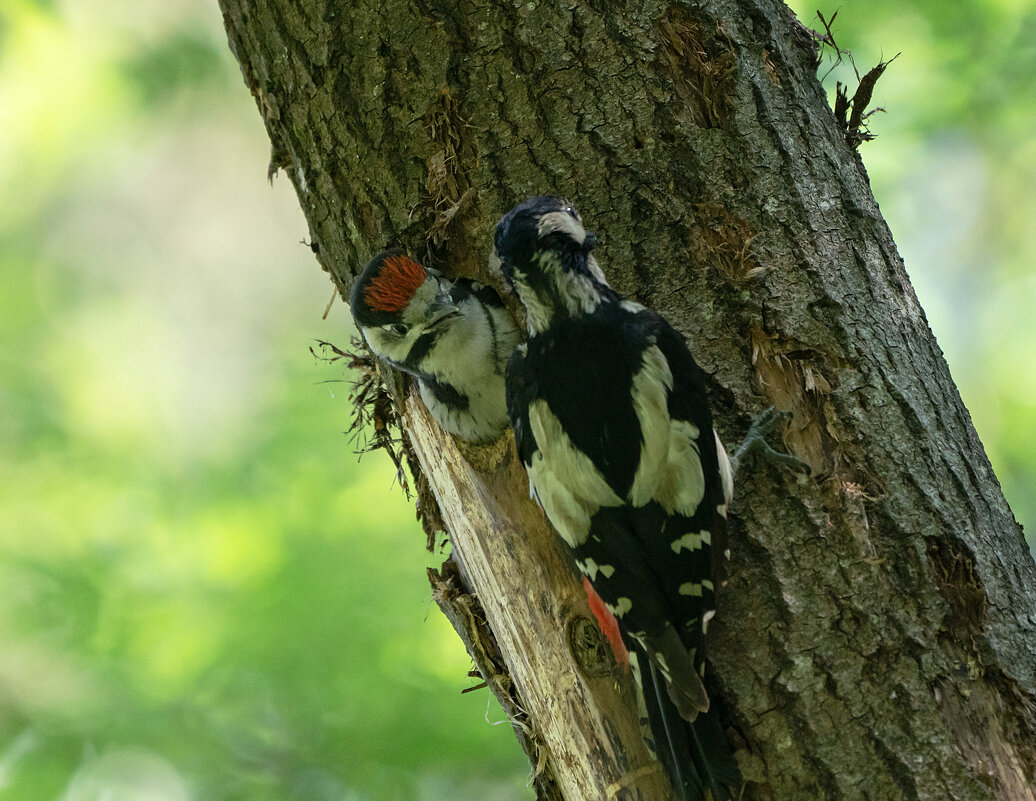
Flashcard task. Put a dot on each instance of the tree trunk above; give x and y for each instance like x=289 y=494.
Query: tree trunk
x=877 y=639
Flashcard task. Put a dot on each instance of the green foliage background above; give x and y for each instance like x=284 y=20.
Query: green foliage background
x=204 y=594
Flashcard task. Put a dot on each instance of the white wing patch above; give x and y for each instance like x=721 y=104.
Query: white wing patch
x=692 y=541
x=622 y=606
x=651 y=387
x=683 y=481
x=568 y=486
x=590 y=569
x=670 y=470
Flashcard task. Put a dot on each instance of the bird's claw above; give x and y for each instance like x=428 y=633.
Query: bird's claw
x=765 y=423
x=755 y=440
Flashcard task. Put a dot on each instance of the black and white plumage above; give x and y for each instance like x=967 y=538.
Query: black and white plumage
x=454 y=337
x=612 y=422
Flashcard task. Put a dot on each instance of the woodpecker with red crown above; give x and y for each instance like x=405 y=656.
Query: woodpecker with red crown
x=454 y=337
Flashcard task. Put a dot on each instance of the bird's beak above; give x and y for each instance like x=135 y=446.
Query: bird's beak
x=440 y=308
x=590 y=242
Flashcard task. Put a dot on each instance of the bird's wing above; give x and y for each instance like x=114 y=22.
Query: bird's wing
x=568 y=485
x=670 y=469
x=694 y=494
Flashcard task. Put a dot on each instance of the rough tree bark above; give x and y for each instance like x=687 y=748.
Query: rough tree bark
x=877 y=639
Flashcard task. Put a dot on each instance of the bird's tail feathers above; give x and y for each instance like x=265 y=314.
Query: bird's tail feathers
x=684 y=685
x=696 y=756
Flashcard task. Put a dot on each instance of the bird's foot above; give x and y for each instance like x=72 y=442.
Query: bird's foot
x=755 y=440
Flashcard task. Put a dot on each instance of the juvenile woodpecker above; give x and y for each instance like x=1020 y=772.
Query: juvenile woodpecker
x=613 y=425
x=454 y=337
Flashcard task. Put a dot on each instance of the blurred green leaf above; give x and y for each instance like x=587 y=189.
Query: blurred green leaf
x=185 y=61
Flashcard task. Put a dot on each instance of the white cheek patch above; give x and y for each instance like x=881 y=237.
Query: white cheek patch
x=561 y=222
x=537 y=314
x=577 y=292
x=581 y=294
x=388 y=346
x=568 y=486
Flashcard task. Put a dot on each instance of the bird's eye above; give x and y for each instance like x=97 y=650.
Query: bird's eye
x=400 y=329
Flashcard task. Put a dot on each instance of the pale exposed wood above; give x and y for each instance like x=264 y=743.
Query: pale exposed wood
x=515 y=565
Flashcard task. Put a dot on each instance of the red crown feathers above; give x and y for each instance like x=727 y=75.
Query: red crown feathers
x=395 y=284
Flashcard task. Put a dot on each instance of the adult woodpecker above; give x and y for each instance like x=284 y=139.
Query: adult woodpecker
x=454 y=337
x=612 y=422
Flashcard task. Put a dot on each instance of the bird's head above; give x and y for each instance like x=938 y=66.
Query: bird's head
x=542 y=251
x=395 y=301
x=541 y=225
